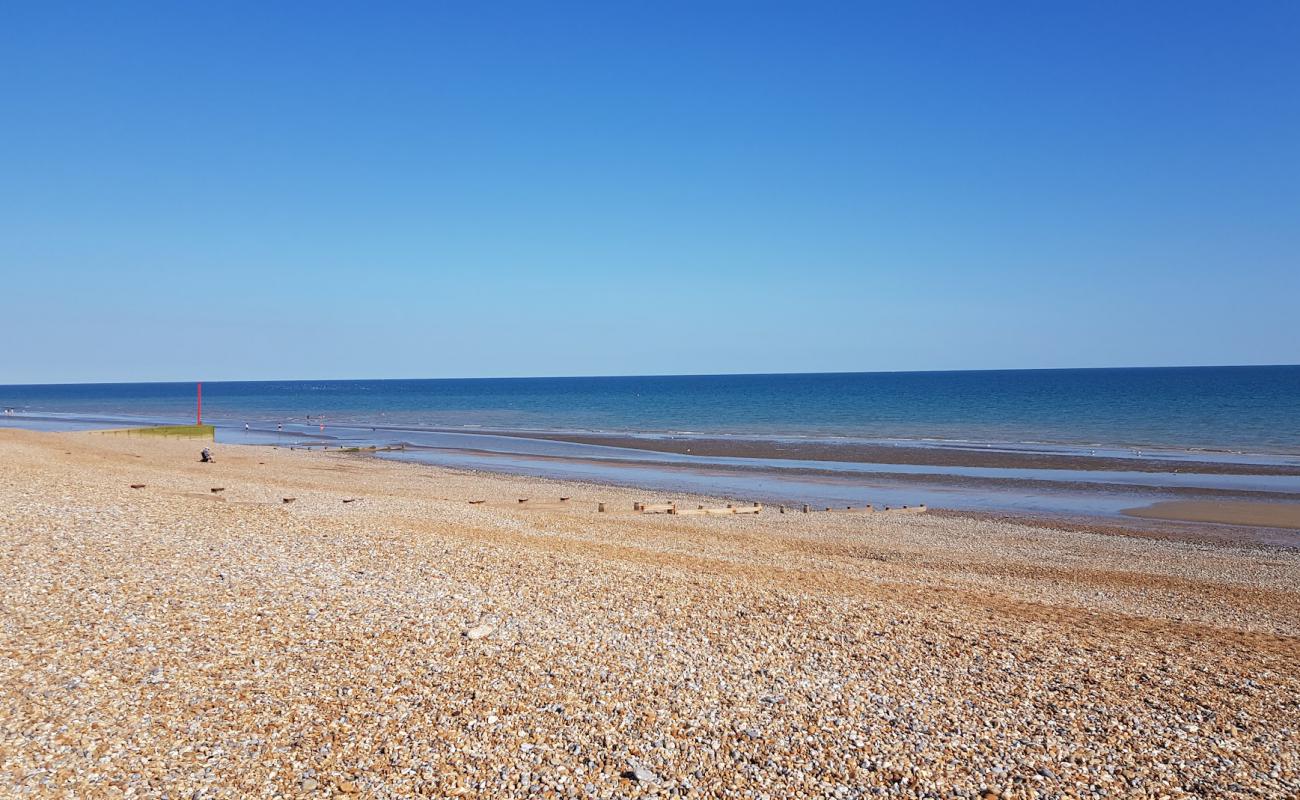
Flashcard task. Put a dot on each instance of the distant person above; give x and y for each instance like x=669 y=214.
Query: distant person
x=206 y=456
x=279 y=426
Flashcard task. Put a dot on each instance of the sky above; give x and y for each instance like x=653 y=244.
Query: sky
x=363 y=190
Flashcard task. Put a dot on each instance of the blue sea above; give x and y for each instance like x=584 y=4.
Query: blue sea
x=1192 y=416
x=1233 y=409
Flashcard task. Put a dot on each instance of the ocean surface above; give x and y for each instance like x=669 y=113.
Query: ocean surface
x=1229 y=415
x=1234 y=409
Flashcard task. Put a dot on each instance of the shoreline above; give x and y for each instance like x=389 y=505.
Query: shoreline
x=878 y=471
x=1100 y=496
x=1184 y=529
x=1066 y=498
x=939 y=453
x=1236 y=528
x=936 y=455
x=1284 y=516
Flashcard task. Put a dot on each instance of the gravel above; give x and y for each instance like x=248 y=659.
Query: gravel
x=172 y=642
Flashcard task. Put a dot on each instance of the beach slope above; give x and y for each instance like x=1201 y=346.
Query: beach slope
x=314 y=624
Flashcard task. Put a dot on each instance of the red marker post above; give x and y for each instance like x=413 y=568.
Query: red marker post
x=198 y=414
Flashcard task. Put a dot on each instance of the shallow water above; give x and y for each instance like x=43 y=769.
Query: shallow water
x=1216 y=415
x=1065 y=493
x=793 y=490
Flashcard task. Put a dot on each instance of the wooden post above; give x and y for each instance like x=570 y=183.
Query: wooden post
x=782 y=509
x=805 y=508
x=600 y=507
x=673 y=509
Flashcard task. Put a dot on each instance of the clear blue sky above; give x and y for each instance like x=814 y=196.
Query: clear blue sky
x=270 y=190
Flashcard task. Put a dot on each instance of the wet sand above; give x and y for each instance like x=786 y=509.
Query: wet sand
x=880 y=471
x=1273 y=515
x=1218 y=534
x=888 y=454
x=169 y=640
x=1095 y=497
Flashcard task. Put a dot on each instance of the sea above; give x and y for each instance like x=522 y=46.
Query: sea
x=1247 y=414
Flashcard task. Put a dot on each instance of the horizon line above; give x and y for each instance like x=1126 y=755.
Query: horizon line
x=651 y=375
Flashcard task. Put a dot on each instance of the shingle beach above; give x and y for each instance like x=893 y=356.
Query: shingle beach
x=380 y=636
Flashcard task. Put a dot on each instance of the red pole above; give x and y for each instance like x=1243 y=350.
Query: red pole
x=199 y=414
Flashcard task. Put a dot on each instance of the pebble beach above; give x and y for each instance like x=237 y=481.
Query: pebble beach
x=305 y=624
